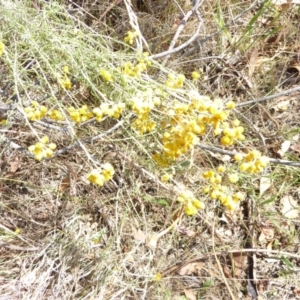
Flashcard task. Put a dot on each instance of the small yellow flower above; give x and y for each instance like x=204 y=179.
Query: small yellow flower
x=245 y=166
x=56 y=115
x=130 y=37
x=190 y=209
x=106 y=75
x=226 y=140
x=195 y=75
x=238 y=157
x=18 y=231
x=230 y=105
x=233 y=178
x=236 y=122
x=166 y=177
x=237 y=197
x=45 y=139
x=198 y=204
x=107 y=171
x=100 y=176
x=64 y=81
x=157 y=277
x=1 y=48
x=98 y=113
x=66 y=69
x=263 y=161
x=221 y=169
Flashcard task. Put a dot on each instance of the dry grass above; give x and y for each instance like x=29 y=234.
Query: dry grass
x=64 y=238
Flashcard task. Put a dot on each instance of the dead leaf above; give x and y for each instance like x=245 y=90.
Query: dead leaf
x=285 y=146
x=74 y=178
x=227 y=272
x=264 y=185
x=282 y=2
x=191 y=268
x=268 y=232
x=262 y=237
x=295 y=66
x=138 y=235
x=14 y=165
x=218 y=156
x=269 y=246
x=239 y=263
x=282 y=106
x=253 y=62
x=296 y=147
x=296 y=291
x=151 y=241
x=190 y=294
x=290 y=208
x=65 y=184
x=185 y=231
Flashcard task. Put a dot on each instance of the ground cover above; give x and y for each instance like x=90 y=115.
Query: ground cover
x=149 y=150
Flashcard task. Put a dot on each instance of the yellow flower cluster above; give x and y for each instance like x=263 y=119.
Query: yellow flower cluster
x=81 y=114
x=191 y=204
x=56 y=115
x=102 y=175
x=137 y=68
x=133 y=70
x=174 y=81
x=42 y=149
x=35 y=111
x=253 y=162
x=214 y=113
x=143 y=125
x=131 y=35
x=111 y=110
x=185 y=122
x=142 y=106
x=176 y=141
x=63 y=80
x=106 y=75
x=221 y=192
x=230 y=135
x=183 y=125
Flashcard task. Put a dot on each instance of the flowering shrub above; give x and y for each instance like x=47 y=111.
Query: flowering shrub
x=178 y=124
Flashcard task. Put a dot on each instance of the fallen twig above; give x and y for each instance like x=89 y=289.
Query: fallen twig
x=208 y=38
x=171 y=49
x=17 y=248
x=202 y=257
x=108 y=9
x=89 y=140
x=268 y=97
